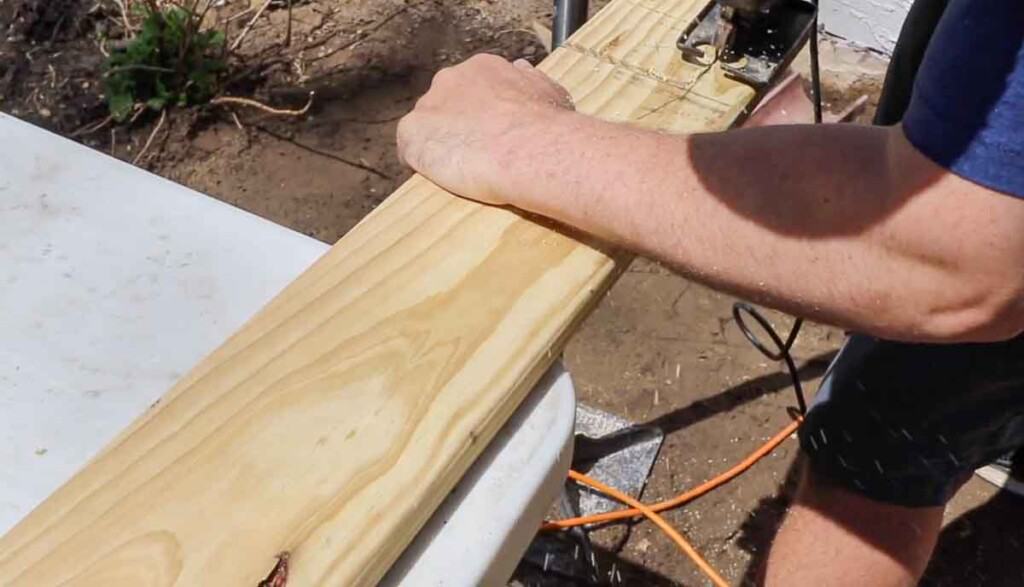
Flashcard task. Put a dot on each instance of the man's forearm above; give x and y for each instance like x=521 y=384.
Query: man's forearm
x=829 y=222
x=847 y=225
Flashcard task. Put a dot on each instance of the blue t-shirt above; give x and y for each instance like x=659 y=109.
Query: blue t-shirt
x=967 y=108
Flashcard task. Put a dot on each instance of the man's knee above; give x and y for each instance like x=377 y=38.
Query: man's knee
x=834 y=536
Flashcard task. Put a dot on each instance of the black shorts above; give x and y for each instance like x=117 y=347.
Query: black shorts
x=908 y=423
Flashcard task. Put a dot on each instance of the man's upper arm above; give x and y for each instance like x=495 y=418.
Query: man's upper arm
x=967 y=110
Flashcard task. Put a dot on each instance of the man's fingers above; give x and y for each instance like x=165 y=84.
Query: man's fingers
x=523 y=64
x=402 y=140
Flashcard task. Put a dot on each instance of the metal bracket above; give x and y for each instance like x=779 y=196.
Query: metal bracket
x=757 y=53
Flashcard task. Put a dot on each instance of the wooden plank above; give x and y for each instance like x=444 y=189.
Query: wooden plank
x=335 y=421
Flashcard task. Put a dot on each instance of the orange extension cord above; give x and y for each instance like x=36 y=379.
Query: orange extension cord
x=658 y=521
x=650 y=511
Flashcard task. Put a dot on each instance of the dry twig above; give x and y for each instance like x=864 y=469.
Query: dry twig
x=220 y=100
x=288 y=35
x=149 y=141
x=136 y=67
x=543 y=35
x=362 y=164
x=92 y=127
x=138 y=109
x=359 y=38
x=129 y=31
x=248 y=26
x=239 y=15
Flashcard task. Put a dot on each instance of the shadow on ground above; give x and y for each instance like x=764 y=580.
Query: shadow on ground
x=559 y=560
x=984 y=546
x=741 y=394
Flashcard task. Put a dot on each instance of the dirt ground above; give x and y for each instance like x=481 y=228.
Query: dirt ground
x=659 y=349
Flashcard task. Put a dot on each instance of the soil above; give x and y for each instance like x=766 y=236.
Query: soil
x=659 y=349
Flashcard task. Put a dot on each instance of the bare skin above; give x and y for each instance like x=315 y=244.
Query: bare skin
x=834 y=537
x=843 y=224
x=848 y=225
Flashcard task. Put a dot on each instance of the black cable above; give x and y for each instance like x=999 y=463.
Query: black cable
x=782 y=352
x=815 y=66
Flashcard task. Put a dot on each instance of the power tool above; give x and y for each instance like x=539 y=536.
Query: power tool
x=752 y=40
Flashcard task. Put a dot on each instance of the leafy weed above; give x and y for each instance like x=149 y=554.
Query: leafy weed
x=171 y=62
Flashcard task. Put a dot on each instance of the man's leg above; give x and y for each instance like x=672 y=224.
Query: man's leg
x=894 y=431
x=835 y=537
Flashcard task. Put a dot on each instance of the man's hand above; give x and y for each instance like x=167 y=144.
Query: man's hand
x=464 y=129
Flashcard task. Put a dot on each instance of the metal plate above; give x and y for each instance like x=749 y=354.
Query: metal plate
x=760 y=52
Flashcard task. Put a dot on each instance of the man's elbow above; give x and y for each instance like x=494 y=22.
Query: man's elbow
x=978 y=313
x=970 y=239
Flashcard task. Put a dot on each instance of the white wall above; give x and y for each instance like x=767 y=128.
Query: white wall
x=874 y=24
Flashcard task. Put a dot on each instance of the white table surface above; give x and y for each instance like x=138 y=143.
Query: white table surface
x=115 y=282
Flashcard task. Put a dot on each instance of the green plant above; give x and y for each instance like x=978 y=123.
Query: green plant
x=170 y=62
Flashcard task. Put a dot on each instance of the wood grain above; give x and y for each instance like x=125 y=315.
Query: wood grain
x=336 y=420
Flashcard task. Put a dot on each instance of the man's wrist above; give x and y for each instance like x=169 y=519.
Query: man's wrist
x=527 y=153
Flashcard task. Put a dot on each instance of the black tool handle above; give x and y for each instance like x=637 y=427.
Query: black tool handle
x=569 y=16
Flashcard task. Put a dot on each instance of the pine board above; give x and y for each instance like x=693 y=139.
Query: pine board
x=335 y=421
